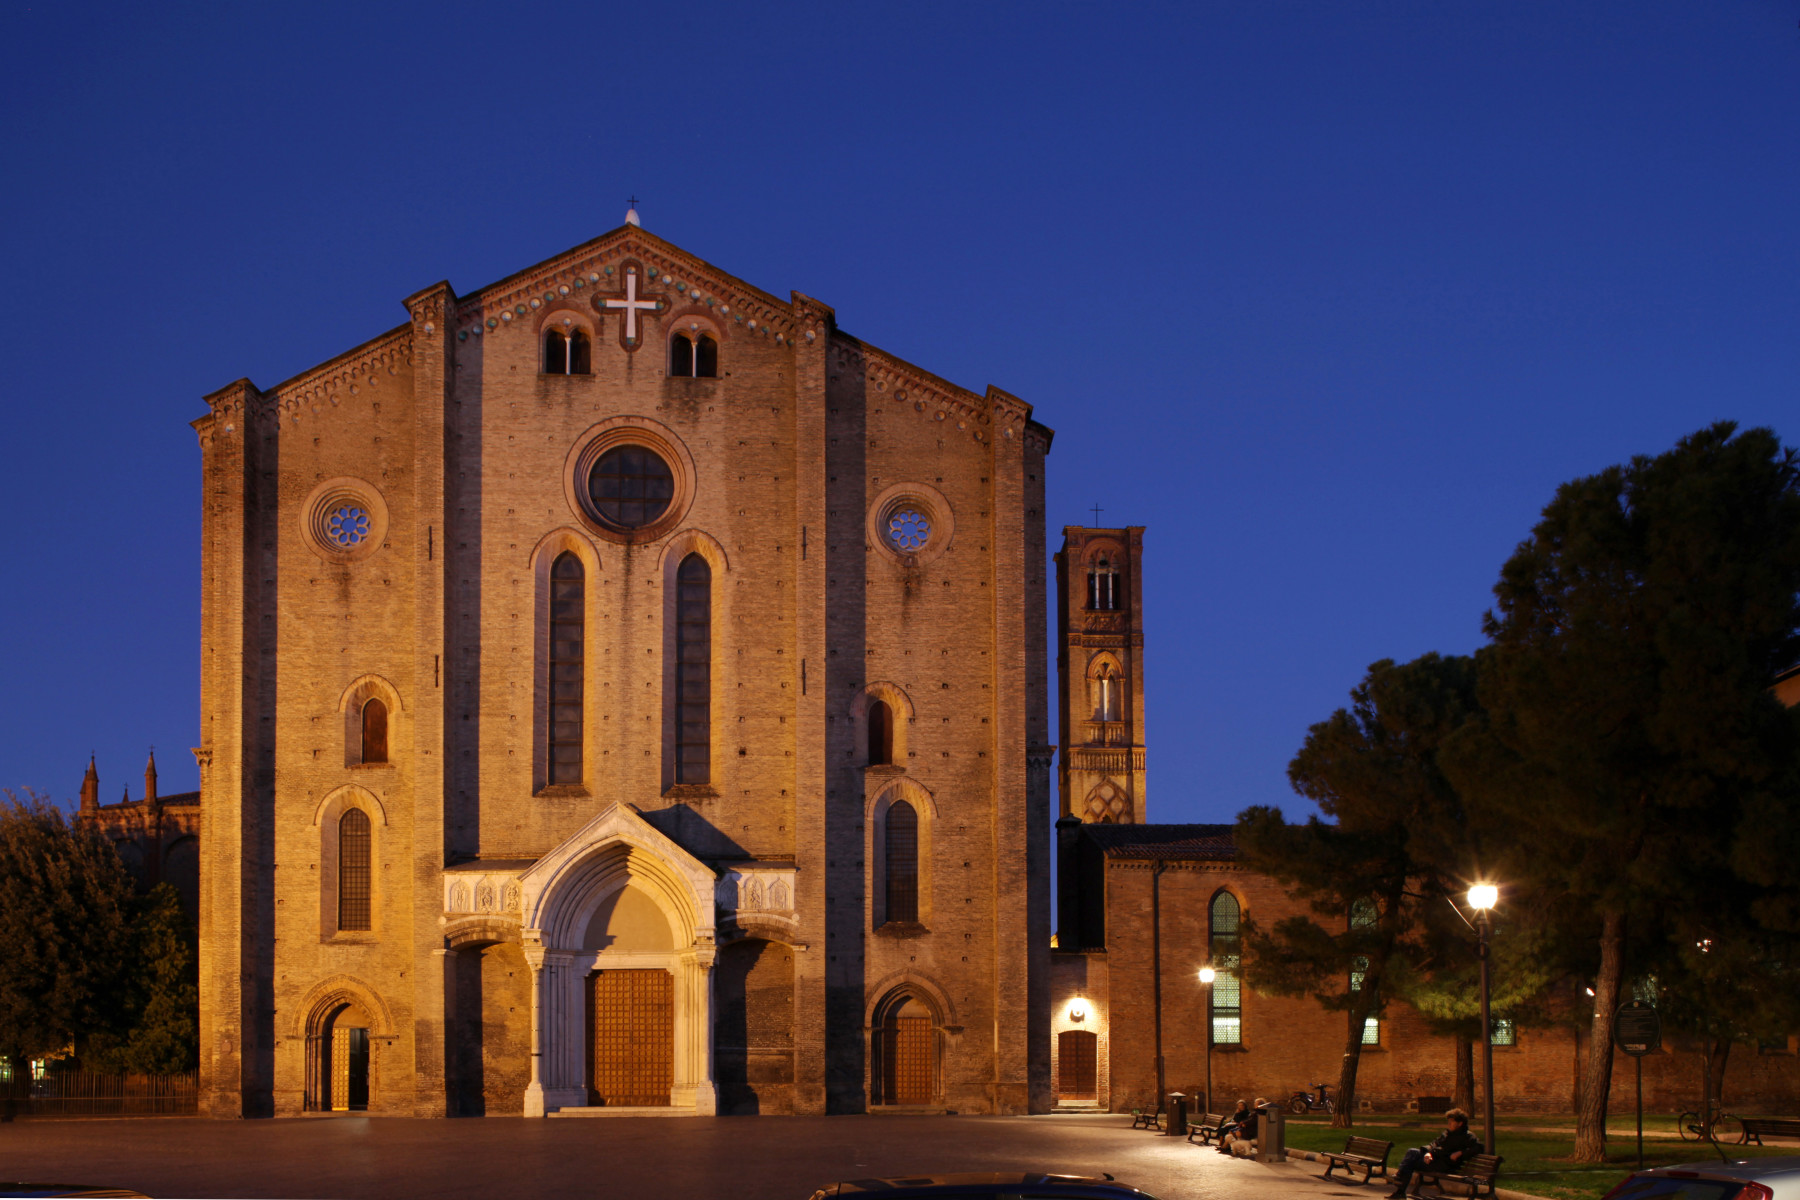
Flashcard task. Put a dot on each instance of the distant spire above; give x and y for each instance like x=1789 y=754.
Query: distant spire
x=126 y=798
x=90 y=788
x=631 y=217
x=150 y=777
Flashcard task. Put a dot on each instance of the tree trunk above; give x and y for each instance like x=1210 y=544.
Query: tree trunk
x=1462 y=1093
x=1596 y=1083
x=1343 y=1117
x=1718 y=1053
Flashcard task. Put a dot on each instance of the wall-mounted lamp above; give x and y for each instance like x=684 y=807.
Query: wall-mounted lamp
x=1078 y=1011
x=1207 y=974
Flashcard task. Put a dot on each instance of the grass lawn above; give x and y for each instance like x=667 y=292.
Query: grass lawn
x=1535 y=1162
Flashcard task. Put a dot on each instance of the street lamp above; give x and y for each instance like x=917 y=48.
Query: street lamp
x=1482 y=898
x=1207 y=975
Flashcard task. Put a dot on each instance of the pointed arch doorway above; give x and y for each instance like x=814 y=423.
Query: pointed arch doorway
x=618 y=928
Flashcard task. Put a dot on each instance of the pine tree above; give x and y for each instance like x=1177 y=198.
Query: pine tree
x=1630 y=742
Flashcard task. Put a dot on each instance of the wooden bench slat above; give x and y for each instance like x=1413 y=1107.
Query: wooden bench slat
x=1477 y=1174
x=1760 y=1127
x=1371 y=1154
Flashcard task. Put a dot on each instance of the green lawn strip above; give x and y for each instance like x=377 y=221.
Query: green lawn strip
x=1535 y=1162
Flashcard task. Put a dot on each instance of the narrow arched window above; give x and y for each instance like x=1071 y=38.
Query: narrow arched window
x=693 y=671
x=681 y=355
x=353 y=870
x=706 y=358
x=1225 y=948
x=374 y=731
x=902 y=862
x=580 y=354
x=568 y=596
x=881 y=734
x=556 y=353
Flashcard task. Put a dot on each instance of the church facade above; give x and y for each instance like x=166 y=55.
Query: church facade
x=623 y=692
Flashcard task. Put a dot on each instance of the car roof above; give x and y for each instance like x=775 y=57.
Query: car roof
x=1000 y=1182
x=1746 y=1169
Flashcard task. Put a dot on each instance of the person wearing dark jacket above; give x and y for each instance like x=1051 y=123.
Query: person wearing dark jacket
x=1245 y=1129
x=1230 y=1124
x=1445 y=1155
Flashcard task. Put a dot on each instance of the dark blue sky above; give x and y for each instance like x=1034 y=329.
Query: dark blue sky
x=1329 y=296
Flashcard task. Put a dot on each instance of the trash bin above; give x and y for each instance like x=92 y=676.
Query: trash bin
x=1177 y=1115
x=1271 y=1134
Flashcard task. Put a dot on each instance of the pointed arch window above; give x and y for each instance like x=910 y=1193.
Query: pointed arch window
x=1103 y=587
x=1225 y=949
x=374 y=730
x=881 y=734
x=354 y=871
x=566 y=353
x=568 y=652
x=1106 y=693
x=693 y=671
x=901 y=859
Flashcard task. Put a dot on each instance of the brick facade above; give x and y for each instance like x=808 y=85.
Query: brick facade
x=157 y=837
x=464 y=467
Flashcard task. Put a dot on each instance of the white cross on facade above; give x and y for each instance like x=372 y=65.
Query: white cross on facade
x=631 y=304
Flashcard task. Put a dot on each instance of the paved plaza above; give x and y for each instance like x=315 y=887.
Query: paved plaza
x=743 y=1158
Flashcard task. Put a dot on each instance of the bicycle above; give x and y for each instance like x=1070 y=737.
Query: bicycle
x=1693 y=1129
x=1301 y=1103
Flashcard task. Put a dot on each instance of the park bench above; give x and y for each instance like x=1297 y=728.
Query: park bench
x=1368 y=1153
x=1477 y=1175
x=1760 y=1127
x=1144 y=1118
x=1205 y=1126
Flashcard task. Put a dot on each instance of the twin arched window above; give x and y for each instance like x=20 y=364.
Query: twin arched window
x=1225 y=948
x=696 y=357
x=900 y=857
x=566 y=353
x=1106 y=693
x=568 y=595
x=355 y=871
x=692 y=708
x=881 y=734
x=1103 y=588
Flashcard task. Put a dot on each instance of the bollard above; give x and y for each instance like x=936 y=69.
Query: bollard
x=1271 y=1134
x=1177 y=1115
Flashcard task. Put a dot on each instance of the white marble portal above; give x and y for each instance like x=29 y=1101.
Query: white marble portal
x=559 y=897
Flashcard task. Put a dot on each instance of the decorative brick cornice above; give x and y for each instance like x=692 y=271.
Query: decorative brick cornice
x=357 y=376
x=934 y=399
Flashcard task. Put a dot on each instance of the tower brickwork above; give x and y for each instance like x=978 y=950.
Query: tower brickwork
x=1099 y=658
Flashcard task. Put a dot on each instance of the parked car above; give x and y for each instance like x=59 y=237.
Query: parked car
x=1006 y=1186
x=13 y=1190
x=1774 y=1178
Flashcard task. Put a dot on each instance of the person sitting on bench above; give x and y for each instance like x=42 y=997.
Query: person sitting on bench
x=1233 y=1121
x=1442 y=1157
x=1243 y=1125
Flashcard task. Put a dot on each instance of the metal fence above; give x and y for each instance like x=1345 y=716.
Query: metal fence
x=92 y=1093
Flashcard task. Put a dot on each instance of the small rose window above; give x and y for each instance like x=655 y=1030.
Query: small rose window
x=908 y=529
x=347 y=526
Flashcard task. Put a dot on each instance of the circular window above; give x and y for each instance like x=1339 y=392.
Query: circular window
x=344 y=519
x=629 y=479
x=911 y=521
x=631 y=487
x=908 y=529
x=347 y=526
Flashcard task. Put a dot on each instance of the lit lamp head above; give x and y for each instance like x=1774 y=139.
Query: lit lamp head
x=1483 y=896
x=1207 y=975
x=1078 y=1010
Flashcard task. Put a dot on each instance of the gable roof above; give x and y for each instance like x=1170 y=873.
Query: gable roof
x=1162 y=841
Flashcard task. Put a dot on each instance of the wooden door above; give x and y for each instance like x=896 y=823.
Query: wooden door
x=1077 y=1064
x=911 y=1061
x=633 y=1038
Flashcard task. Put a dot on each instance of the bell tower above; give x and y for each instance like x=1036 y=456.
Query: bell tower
x=1100 y=647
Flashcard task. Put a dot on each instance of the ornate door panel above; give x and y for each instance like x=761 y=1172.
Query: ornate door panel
x=633 y=1038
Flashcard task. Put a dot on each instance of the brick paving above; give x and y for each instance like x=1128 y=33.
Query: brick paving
x=742 y=1158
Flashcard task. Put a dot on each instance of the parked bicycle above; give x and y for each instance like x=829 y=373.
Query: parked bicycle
x=1693 y=1129
x=1301 y=1103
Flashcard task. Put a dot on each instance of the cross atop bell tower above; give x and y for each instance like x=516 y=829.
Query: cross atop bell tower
x=1099 y=659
